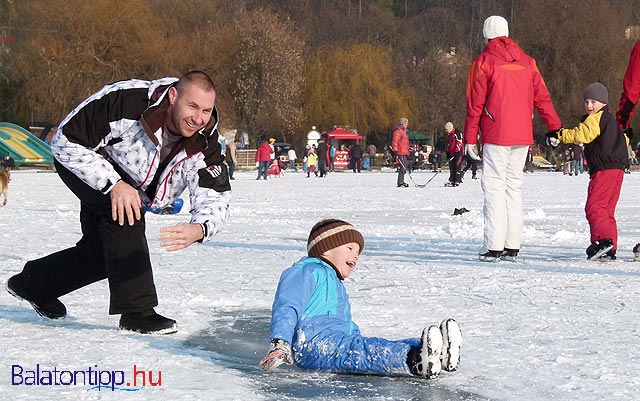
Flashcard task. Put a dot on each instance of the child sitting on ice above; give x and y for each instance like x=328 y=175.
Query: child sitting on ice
x=311 y=318
x=274 y=168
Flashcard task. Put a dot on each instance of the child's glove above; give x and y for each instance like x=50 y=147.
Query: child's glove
x=472 y=151
x=552 y=138
x=279 y=353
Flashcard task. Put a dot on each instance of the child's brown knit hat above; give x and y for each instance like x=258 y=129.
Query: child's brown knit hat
x=332 y=233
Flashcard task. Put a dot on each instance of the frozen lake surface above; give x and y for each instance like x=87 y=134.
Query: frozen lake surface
x=552 y=326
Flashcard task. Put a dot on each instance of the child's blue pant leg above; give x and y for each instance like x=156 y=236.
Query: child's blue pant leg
x=342 y=353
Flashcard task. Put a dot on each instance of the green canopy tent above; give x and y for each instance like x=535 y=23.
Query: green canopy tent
x=418 y=137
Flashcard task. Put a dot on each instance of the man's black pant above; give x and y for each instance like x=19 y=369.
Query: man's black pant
x=106 y=250
x=455 y=168
x=402 y=164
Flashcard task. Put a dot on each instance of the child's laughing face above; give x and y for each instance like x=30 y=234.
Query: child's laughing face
x=344 y=258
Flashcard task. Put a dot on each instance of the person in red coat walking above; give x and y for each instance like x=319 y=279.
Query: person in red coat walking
x=263 y=159
x=400 y=145
x=503 y=88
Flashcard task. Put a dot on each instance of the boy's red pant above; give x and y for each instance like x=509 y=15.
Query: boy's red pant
x=602 y=198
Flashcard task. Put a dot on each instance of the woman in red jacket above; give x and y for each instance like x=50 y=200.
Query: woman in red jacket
x=400 y=146
x=503 y=88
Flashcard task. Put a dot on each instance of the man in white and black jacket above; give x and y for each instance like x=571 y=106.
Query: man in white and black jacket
x=131 y=145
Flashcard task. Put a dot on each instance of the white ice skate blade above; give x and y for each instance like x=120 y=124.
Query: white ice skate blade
x=601 y=252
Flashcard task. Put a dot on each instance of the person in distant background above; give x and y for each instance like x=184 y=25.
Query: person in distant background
x=332 y=157
x=8 y=163
x=322 y=152
x=455 y=150
x=577 y=166
x=400 y=148
x=263 y=159
x=355 y=155
x=528 y=163
x=272 y=153
x=312 y=162
x=232 y=160
x=291 y=154
x=472 y=164
x=371 y=150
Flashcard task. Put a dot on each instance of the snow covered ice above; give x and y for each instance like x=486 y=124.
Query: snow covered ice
x=552 y=326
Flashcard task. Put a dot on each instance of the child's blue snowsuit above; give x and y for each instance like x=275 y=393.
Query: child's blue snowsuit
x=311 y=311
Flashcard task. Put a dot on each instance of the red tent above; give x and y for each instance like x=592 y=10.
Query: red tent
x=343 y=134
x=341 y=159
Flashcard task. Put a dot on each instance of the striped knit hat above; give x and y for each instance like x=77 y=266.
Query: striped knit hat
x=332 y=233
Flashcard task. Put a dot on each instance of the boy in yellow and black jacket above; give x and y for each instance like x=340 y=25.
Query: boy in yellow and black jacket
x=605 y=149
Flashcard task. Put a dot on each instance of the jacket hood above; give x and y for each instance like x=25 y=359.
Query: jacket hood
x=505 y=49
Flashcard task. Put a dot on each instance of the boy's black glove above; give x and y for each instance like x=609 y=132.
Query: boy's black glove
x=552 y=138
x=629 y=133
x=279 y=353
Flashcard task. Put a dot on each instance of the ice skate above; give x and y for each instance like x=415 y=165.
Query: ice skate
x=608 y=257
x=509 y=255
x=426 y=361
x=451 y=342
x=599 y=248
x=487 y=255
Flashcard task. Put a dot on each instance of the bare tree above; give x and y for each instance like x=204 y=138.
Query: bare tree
x=84 y=45
x=267 y=79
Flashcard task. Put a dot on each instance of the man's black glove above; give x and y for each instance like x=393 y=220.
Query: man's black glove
x=629 y=133
x=552 y=138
